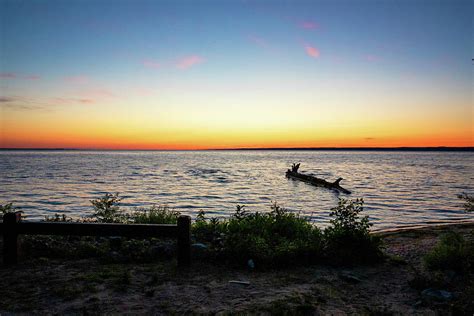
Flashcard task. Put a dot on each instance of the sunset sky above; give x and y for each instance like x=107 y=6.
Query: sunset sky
x=224 y=74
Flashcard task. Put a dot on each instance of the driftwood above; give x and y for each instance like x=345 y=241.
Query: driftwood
x=294 y=174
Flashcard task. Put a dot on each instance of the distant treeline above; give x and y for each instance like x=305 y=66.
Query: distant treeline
x=363 y=148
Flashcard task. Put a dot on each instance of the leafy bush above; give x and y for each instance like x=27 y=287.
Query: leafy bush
x=8 y=208
x=269 y=239
x=107 y=210
x=452 y=252
x=348 y=239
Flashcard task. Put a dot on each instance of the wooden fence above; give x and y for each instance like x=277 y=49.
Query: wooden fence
x=13 y=226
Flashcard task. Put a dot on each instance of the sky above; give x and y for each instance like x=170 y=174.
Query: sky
x=232 y=74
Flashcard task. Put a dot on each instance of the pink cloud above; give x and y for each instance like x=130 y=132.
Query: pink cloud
x=32 y=77
x=77 y=79
x=151 y=64
x=372 y=58
x=189 y=61
x=312 y=51
x=98 y=92
x=308 y=25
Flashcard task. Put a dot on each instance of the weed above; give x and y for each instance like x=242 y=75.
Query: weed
x=154 y=215
x=468 y=202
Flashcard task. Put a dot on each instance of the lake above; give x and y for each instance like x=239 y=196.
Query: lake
x=399 y=188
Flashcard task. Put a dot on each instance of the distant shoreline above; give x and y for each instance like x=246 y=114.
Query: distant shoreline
x=435 y=149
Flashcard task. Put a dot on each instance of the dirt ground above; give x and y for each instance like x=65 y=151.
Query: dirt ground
x=45 y=286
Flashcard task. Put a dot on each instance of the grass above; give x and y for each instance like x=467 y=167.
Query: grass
x=154 y=215
x=452 y=252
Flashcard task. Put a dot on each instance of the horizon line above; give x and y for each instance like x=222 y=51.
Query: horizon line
x=400 y=148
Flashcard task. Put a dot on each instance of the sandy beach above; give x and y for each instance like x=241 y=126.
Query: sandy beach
x=43 y=285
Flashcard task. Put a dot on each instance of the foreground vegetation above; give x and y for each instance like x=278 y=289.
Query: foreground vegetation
x=258 y=240
x=425 y=271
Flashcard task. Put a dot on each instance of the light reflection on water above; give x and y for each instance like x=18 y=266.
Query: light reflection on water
x=399 y=188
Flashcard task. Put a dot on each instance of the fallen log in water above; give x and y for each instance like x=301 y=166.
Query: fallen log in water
x=294 y=174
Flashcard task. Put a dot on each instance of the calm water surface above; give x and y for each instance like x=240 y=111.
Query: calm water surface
x=399 y=188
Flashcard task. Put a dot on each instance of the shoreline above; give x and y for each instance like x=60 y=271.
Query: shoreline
x=421 y=227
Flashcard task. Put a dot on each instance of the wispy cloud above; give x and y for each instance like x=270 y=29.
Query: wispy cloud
x=98 y=92
x=312 y=51
x=6 y=99
x=73 y=100
x=144 y=92
x=80 y=79
x=372 y=58
x=87 y=88
x=12 y=75
x=189 y=61
x=32 y=77
x=22 y=103
x=7 y=75
x=309 y=25
x=258 y=41
x=151 y=64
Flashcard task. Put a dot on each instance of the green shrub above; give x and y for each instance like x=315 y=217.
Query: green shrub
x=154 y=215
x=269 y=239
x=452 y=252
x=348 y=239
x=107 y=210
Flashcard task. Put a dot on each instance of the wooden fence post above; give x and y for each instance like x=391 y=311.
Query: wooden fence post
x=184 y=241
x=10 y=237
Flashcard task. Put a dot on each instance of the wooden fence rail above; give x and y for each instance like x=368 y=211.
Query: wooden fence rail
x=12 y=226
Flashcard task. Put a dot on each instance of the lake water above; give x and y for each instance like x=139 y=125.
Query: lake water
x=399 y=188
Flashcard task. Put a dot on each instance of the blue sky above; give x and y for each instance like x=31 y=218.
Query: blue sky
x=405 y=58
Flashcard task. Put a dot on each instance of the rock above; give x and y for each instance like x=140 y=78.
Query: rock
x=251 y=264
x=115 y=242
x=418 y=304
x=246 y=283
x=199 y=246
x=199 y=250
x=436 y=295
x=161 y=250
x=349 y=277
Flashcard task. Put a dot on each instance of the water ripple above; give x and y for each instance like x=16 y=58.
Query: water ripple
x=399 y=188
